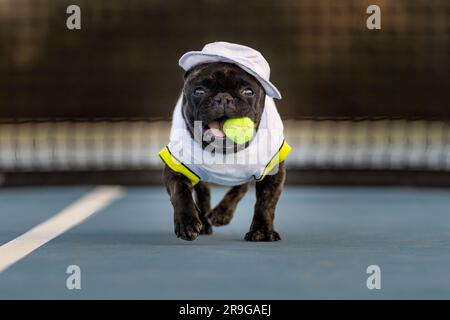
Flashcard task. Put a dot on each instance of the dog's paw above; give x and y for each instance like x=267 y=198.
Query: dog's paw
x=220 y=216
x=188 y=227
x=262 y=235
x=206 y=228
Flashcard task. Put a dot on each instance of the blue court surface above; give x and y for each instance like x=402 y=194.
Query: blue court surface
x=127 y=250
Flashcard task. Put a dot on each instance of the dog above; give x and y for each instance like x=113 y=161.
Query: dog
x=224 y=81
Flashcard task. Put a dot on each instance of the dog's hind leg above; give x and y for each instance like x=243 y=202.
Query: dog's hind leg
x=203 y=202
x=224 y=211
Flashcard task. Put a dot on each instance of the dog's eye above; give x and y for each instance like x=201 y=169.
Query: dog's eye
x=198 y=92
x=248 y=92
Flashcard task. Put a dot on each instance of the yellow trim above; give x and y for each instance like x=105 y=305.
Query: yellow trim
x=277 y=159
x=177 y=166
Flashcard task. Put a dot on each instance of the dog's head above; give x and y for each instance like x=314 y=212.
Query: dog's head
x=215 y=92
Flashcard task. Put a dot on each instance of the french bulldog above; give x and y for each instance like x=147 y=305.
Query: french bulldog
x=212 y=93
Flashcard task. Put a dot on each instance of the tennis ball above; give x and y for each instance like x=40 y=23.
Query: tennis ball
x=240 y=130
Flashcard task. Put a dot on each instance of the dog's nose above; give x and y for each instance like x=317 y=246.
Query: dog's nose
x=223 y=99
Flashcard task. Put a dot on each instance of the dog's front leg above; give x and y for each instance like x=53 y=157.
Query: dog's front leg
x=267 y=194
x=203 y=201
x=186 y=218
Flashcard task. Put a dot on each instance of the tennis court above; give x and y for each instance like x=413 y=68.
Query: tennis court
x=330 y=236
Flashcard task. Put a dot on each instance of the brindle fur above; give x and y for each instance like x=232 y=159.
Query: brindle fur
x=194 y=218
x=223 y=213
x=203 y=201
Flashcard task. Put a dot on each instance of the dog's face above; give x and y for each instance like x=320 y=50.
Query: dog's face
x=215 y=92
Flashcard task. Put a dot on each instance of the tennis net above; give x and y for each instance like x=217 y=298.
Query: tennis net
x=133 y=144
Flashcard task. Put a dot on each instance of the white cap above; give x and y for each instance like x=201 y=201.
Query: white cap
x=250 y=60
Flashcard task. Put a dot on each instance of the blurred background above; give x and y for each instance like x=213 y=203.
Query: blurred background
x=93 y=106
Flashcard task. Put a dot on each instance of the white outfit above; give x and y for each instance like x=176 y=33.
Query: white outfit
x=232 y=168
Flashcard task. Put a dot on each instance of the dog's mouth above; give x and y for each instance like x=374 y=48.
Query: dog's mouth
x=214 y=136
x=216 y=127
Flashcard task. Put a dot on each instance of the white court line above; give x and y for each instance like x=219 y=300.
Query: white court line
x=68 y=218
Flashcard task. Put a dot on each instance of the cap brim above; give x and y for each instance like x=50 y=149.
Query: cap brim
x=193 y=58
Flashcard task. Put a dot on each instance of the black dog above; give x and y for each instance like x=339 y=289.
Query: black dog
x=212 y=93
